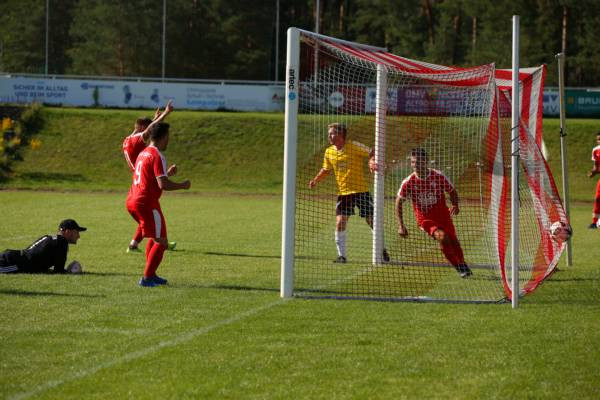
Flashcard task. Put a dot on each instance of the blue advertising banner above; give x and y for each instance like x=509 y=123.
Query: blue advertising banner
x=579 y=103
x=132 y=94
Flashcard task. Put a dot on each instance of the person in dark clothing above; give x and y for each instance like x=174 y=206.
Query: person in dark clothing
x=49 y=251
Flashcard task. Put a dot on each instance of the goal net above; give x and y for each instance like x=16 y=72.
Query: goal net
x=440 y=138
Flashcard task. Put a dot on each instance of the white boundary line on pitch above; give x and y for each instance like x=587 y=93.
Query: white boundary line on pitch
x=142 y=353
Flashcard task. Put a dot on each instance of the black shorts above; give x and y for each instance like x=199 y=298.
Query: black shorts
x=11 y=261
x=346 y=203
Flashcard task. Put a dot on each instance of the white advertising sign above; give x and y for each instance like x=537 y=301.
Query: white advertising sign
x=132 y=94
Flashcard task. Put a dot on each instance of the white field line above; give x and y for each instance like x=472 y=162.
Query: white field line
x=147 y=351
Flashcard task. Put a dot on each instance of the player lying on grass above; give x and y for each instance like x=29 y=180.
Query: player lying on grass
x=133 y=145
x=425 y=187
x=49 y=251
x=346 y=159
x=150 y=178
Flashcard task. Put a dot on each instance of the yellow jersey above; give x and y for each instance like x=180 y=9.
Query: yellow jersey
x=348 y=165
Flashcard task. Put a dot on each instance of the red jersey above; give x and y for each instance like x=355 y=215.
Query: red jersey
x=427 y=195
x=150 y=165
x=133 y=145
x=596 y=155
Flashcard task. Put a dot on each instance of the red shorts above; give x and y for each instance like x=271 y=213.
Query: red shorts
x=430 y=226
x=151 y=220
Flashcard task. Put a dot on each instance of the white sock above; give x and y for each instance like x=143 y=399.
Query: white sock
x=340 y=243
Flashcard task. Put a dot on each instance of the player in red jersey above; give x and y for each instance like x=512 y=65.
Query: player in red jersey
x=133 y=145
x=426 y=188
x=592 y=173
x=150 y=178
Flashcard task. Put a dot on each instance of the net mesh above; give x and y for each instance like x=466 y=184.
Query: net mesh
x=459 y=119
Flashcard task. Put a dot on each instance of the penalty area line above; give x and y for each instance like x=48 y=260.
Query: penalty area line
x=150 y=350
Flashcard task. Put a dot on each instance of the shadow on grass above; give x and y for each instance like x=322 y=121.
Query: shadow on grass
x=214 y=253
x=30 y=293
x=52 y=176
x=111 y=273
x=558 y=280
x=228 y=287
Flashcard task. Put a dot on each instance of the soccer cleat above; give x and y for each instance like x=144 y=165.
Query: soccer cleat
x=592 y=226
x=158 y=280
x=172 y=246
x=147 y=282
x=133 y=249
x=340 y=260
x=463 y=270
x=385 y=255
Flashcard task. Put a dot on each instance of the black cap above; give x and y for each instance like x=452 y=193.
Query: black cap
x=70 y=224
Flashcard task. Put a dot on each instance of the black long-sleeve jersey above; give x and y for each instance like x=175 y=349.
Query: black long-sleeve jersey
x=46 y=252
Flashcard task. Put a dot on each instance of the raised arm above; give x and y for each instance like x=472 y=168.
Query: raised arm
x=158 y=118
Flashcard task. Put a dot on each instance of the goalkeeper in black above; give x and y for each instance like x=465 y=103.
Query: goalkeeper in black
x=49 y=251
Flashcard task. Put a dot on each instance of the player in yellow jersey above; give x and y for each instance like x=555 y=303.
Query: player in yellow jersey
x=346 y=160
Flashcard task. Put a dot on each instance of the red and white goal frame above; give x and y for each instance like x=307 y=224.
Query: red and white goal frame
x=462 y=117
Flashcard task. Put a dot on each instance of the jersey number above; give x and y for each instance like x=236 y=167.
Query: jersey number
x=138 y=173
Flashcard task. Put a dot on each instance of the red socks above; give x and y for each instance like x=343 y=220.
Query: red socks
x=154 y=255
x=453 y=252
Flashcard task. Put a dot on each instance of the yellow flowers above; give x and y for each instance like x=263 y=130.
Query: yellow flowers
x=35 y=143
x=6 y=124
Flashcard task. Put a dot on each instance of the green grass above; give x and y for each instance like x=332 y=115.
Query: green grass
x=220 y=330
x=219 y=152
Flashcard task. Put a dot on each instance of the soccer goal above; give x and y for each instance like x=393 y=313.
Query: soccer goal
x=458 y=122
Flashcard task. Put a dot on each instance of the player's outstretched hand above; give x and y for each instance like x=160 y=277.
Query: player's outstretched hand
x=186 y=184
x=74 y=267
x=373 y=166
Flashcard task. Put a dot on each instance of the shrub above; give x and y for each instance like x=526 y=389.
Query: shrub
x=16 y=134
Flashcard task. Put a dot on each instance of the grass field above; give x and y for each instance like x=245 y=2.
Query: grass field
x=219 y=329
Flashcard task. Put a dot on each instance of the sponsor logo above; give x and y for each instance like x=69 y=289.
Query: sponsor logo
x=86 y=86
x=587 y=101
x=292 y=79
x=292 y=84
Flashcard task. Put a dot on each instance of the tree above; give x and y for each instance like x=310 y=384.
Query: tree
x=399 y=26
x=23 y=35
x=585 y=60
x=116 y=37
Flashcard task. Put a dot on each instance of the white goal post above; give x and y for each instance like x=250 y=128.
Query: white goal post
x=407 y=112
